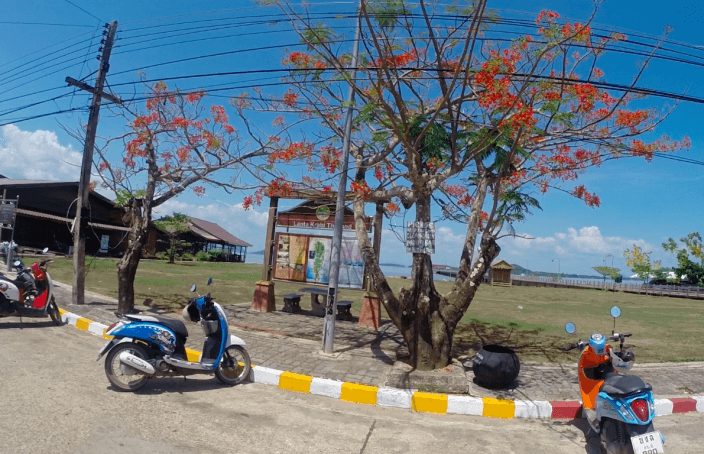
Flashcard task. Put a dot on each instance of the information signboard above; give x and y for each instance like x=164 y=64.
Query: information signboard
x=291 y=253
x=351 y=264
x=318 y=259
x=420 y=237
x=305 y=258
x=104 y=243
x=7 y=212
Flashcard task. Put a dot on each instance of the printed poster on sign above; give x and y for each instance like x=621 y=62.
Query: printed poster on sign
x=104 y=243
x=290 y=257
x=351 y=264
x=420 y=238
x=319 y=259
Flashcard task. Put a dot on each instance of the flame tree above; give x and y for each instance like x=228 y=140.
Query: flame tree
x=171 y=142
x=445 y=117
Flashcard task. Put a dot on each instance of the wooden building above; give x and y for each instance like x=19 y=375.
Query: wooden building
x=46 y=211
x=501 y=273
x=202 y=236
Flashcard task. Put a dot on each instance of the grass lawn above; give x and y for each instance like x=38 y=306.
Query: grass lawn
x=664 y=329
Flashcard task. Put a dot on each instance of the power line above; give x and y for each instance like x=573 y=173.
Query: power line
x=28 y=72
x=45 y=48
x=17 y=109
x=52 y=54
x=20 y=120
x=44 y=23
x=91 y=15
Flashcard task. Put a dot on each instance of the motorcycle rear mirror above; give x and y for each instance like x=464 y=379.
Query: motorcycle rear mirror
x=570 y=328
x=17 y=263
x=210 y=280
x=615 y=312
x=45 y=250
x=193 y=288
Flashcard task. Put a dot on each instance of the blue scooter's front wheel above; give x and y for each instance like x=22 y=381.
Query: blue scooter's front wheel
x=234 y=366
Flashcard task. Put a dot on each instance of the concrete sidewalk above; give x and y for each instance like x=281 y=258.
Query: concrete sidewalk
x=281 y=341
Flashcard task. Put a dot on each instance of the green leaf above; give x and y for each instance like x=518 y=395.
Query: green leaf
x=123 y=196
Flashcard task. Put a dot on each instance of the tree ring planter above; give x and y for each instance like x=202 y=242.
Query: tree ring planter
x=495 y=366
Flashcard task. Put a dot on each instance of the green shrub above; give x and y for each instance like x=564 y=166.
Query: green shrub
x=187 y=256
x=202 y=256
x=161 y=256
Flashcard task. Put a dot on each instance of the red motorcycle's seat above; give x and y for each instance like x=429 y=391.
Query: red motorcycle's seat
x=620 y=385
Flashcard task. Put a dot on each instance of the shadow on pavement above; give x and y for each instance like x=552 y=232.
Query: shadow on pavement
x=158 y=386
x=26 y=324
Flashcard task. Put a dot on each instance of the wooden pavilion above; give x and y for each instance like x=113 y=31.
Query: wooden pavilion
x=501 y=273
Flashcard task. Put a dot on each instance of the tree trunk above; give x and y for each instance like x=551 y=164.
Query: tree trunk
x=172 y=249
x=426 y=319
x=428 y=339
x=139 y=218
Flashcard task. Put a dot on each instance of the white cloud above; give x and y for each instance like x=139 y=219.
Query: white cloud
x=446 y=238
x=249 y=225
x=37 y=155
x=585 y=241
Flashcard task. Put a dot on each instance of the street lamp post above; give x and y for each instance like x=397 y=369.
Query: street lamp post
x=558 y=267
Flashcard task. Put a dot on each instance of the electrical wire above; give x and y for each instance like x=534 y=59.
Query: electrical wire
x=20 y=120
x=43 y=23
x=524 y=23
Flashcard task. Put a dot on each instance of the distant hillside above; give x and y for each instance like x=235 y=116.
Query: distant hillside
x=257 y=253
x=518 y=270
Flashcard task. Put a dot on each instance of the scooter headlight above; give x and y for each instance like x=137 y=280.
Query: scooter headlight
x=598 y=343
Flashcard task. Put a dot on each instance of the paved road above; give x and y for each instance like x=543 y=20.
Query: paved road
x=292 y=342
x=54 y=398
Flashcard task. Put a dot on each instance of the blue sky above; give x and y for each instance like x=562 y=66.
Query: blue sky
x=642 y=203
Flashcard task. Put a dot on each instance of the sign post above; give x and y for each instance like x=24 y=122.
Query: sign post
x=7 y=221
x=331 y=307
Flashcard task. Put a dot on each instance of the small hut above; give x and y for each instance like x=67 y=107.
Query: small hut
x=501 y=273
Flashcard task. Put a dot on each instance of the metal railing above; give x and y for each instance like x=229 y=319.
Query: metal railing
x=680 y=291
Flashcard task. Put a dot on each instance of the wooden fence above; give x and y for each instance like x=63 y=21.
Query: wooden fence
x=676 y=291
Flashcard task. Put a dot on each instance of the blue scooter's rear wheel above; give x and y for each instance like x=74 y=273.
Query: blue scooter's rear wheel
x=234 y=366
x=122 y=376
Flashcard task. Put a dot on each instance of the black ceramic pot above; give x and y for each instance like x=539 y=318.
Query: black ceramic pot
x=495 y=366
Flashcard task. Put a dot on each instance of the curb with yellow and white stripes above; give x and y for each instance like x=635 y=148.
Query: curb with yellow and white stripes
x=414 y=400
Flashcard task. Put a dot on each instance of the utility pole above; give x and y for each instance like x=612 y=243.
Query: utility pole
x=81 y=222
x=331 y=306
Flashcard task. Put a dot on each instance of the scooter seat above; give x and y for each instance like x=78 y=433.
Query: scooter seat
x=177 y=326
x=620 y=385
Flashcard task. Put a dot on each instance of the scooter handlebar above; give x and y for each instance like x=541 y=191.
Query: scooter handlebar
x=619 y=336
x=569 y=347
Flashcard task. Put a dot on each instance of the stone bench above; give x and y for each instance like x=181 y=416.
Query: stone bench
x=292 y=302
x=343 y=310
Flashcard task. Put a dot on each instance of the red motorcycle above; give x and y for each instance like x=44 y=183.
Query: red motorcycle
x=30 y=294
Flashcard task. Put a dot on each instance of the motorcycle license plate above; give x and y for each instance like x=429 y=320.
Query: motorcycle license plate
x=649 y=443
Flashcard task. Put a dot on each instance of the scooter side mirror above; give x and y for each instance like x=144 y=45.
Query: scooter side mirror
x=210 y=280
x=45 y=250
x=17 y=263
x=193 y=288
x=615 y=312
x=570 y=328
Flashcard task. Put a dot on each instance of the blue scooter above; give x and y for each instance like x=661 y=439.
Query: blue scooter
x=144 y=346
x=618 y=406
